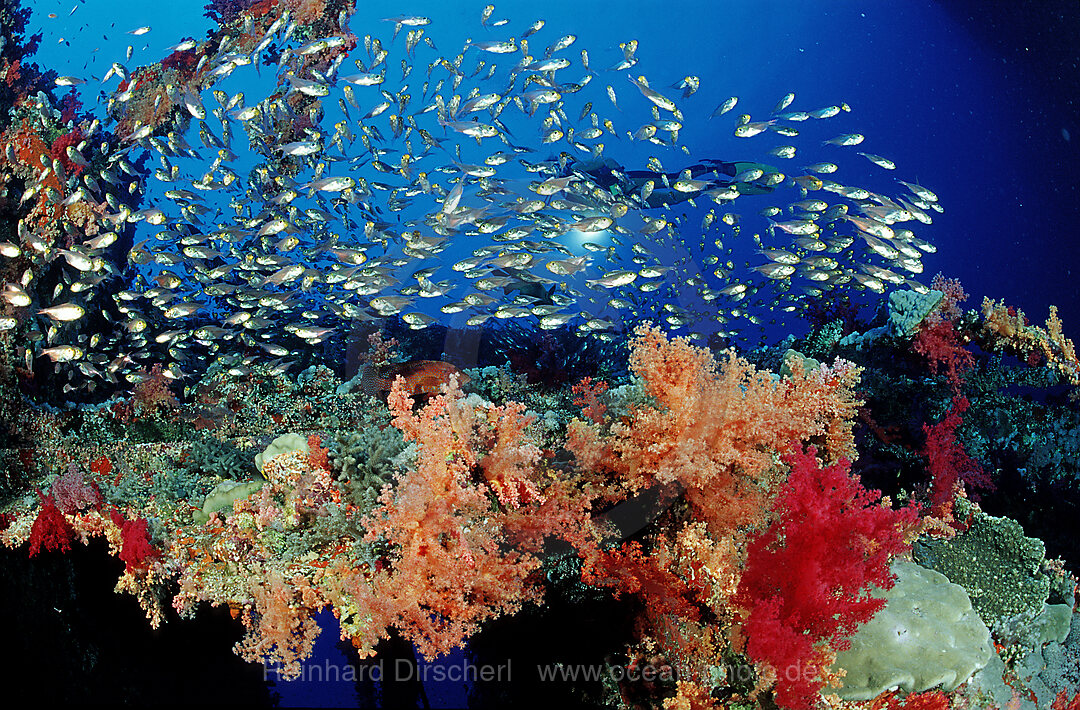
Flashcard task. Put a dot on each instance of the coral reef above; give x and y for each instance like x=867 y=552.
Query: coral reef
x=669 y=489
x=209 y=456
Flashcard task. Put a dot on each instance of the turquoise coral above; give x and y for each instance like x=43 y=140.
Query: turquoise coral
x=908 y=309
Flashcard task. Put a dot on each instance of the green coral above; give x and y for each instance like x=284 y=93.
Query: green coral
x=622 y=400
x=154 y=429
x=363 y=460
x=180 y=484
x=1001 y=568
x=130 y=489
x=1031 y=630
x=906 y=310
x=335 y=526
x=795 y=360
x=1055 y=450
x=1043 y=435
x=825 y=338
x=209 y=456
x=222 y=497
x=497 y=384
x=268 y=402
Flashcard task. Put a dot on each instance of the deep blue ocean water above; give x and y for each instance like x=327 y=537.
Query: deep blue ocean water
x=975 y=100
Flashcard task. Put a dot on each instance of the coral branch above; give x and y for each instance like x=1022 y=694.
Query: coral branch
x=808 y=575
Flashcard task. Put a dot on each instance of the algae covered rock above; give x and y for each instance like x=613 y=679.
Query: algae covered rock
x=999 y=566
x=927 y=636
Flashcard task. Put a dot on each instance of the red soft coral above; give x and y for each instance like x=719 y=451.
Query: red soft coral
x=281 y=630
x=318 y=456
x=51 y=530
x=929 y=700
x=948 y=463
x=512 y=461
x=650 y=577
x=101 y=466
x=939 y=343
x=136 y=550
x=588 y=397
x=808 y=575
x=59 y=151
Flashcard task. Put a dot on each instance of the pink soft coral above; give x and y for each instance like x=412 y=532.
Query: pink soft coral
x=152 y=393
x=73 y=494
x=949 y=308
x=808 y=575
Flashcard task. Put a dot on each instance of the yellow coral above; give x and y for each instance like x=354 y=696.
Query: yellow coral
x=1005 y=329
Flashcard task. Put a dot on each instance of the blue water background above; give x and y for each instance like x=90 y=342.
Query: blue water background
x=975 y=101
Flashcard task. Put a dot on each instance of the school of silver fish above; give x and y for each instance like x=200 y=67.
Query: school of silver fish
x=401 y=191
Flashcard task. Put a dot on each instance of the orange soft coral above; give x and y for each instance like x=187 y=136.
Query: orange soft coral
x=279 y=629
x=715 y=429
x=449 y=567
